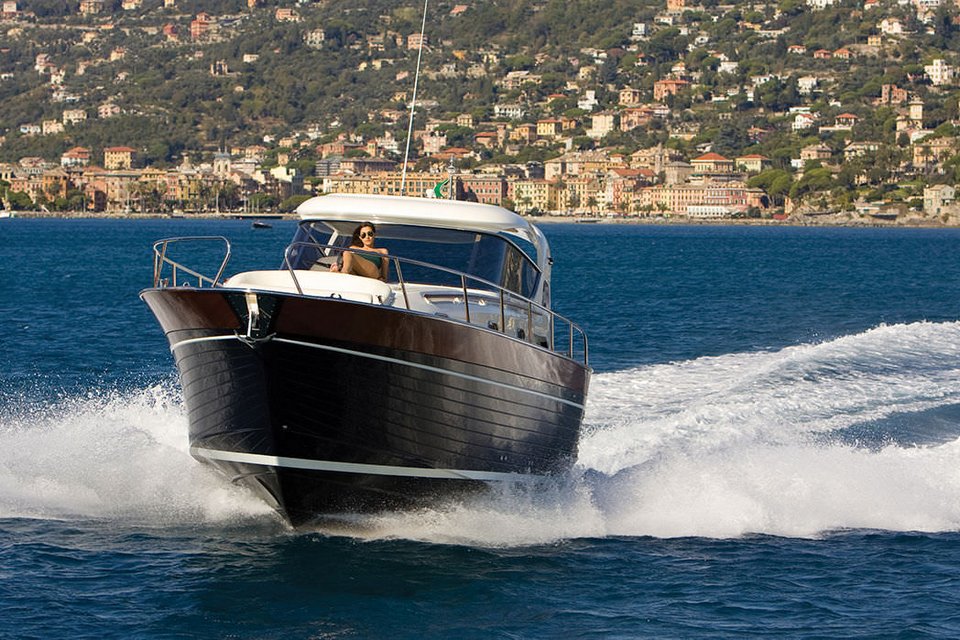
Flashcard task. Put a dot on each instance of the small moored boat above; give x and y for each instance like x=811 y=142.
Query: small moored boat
x=328 y=392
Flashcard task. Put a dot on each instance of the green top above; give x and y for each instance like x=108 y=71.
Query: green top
x=374 y=257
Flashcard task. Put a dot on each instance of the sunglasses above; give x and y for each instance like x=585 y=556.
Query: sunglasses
x=366 y=234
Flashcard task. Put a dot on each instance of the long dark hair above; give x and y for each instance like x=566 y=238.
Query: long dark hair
x=355 y=240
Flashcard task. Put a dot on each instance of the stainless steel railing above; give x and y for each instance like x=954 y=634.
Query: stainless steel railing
x=161 y=261
x=473 y=287
x=561 y=334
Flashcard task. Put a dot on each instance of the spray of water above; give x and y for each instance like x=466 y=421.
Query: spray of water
x=851 y=433
x=114 y=455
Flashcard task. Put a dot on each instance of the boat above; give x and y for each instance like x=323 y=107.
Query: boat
x=328 y=393
x=259 y=224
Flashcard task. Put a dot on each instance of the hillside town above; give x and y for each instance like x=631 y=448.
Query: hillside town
x=695 y=111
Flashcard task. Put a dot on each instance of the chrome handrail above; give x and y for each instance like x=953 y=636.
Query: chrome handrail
x=160 y=259
x=506 y=296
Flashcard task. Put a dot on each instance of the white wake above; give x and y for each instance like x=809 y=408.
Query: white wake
x=812 y=438
x=115 y=455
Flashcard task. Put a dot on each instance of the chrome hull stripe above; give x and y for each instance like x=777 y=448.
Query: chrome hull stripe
x=354 y=467
x=184 y=343
x=373 y=356
x=427 y=367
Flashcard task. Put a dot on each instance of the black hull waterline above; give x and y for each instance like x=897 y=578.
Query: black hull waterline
x=324 y=406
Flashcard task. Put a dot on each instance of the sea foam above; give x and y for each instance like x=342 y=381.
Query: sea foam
x=855 y=432
x=111 y=454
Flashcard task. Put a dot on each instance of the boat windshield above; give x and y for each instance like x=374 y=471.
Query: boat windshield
x=483 y=255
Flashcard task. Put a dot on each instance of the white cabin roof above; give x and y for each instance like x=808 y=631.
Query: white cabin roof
x=427 y=212
x=448 y=214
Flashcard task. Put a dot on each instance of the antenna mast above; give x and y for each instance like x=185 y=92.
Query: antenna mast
x=413 y=103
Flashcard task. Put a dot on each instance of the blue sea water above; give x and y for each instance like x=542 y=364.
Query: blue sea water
x=771 y=449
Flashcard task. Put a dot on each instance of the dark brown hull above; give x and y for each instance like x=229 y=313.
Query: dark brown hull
x=328 y=406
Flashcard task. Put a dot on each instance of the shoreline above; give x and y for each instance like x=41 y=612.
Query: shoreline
x=820 y=221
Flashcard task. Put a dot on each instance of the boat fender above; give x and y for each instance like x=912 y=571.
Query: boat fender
x=336 y=295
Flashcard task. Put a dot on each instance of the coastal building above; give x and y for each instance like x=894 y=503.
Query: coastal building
x=367 y=166
x=286 y=182
x=549 y=128
x=630 y=97
x=533 y=195
x=388 y=184
x=512 y=111
x=487 y=139
x=516 y=79
x=860 y=149
x=892 y=94
x=846 y=120
x=75 y=157
x=806 y=85
x=118 y=158
x=668 y=87
x=930 y=153
x=891 y=26
x=633 y=117
x=91 y=7
x=524 y=133
x=50 y=127
x=937 y=197
x=939 y=72
x=712 y=163
x=677 y=198
x=578 y=163
x=73 y=116
x=286 y=14
x=433 y=142
x=677 y=172
x=588 y=101
x=42 y=186
x=752 y=163
x=601 y=124
x=488 y=189
x=170 y=32
x=415 y=41
x=204 y=27
x=621 y=184
x=314 y=38
x=577 y=194
x=108 y=110
x=222 y=164
x=803 y=121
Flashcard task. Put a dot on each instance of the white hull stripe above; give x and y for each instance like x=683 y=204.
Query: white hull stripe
x=354 y=467
x=406 y=363
x=183 y=343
